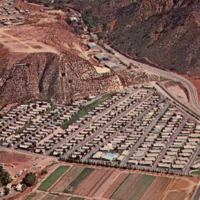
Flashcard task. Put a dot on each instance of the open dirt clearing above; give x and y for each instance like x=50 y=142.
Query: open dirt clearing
x=15 y=161
x=14 y=44
x=178 y=91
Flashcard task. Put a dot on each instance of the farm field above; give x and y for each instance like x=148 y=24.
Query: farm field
x=92 y=183
x=176 y=195
x=66 y=179
x=126 y=186
x=43 y=196
x=139 y=188
x=53 y=177
x=157 y=188
x=79 y=178
x=83 y=182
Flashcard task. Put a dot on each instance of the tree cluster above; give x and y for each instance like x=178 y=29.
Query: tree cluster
x=29 y=179
x=5 y=177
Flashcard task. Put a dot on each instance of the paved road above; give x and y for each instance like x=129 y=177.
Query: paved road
x=91 y=121
x=124 y=162
x=170 y=142
x=187 y=169
x=196 y=195
x=167 y=74
x=106 y=126
x=114 y=135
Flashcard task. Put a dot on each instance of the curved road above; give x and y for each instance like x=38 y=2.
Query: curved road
x=192 y=90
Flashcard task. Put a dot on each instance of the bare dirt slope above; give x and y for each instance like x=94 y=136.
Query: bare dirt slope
x=42 y=59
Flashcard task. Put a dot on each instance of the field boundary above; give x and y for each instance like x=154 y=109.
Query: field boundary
x=59 y=178
x=46 y=181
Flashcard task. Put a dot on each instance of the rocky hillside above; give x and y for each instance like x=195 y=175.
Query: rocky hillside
x=50 y=76
x=165 y=31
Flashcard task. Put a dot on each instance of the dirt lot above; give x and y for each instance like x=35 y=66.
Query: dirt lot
x=178 y=91
x=196 y=83
x=180 y=184
x=14 y=162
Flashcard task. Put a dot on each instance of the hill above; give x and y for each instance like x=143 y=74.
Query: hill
x=44 y=59
x=165 y=31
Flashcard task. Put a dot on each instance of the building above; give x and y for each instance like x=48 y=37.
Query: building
x=101 y=56
x=111 y=65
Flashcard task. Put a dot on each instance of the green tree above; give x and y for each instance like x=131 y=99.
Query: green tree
x=5 y=177
x=6 y=190
x=29 y=179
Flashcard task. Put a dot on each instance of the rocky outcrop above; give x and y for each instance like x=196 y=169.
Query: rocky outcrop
x=51 y=76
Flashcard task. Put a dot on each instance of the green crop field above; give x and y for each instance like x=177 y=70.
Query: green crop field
x=79 y=178
x=53 y=177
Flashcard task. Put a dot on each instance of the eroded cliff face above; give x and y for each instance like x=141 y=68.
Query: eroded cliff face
x=62 y=78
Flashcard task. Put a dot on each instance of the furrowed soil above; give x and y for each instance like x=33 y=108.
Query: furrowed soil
x=91 y=184
x=176 y=195
x=126 y=186
x=156 y=190
x=140 y=188
x=106 y=184
x=108 y=193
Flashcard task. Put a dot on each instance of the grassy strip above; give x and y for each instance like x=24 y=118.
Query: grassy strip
x=85 y=110
x=53 y=177
x=82 y=176
x=196 y=172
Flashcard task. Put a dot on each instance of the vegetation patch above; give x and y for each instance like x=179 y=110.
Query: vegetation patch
x=53 y=177
x=82 y=176
x=67 y=178
x=195 y=172
x=5 y=177
x=85 y=110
